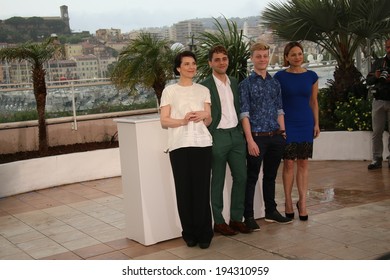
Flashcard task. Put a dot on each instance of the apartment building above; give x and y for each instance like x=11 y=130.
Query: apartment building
x=109 y=35
x=72 y=50
x=185 y=31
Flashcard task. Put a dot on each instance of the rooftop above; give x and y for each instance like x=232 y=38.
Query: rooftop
x=349 y=219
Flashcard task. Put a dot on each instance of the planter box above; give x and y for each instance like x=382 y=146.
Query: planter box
x=346 y=145
x=34 y=174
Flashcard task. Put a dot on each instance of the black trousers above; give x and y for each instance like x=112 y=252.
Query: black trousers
x=271 y=152
x=191 y=168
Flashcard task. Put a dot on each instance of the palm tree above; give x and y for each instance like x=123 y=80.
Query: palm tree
x=147 y=61
x=37 y=54
x=233 y=40
x=339 y=26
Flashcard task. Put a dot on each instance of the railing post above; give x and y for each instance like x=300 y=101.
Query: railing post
x=74 y=107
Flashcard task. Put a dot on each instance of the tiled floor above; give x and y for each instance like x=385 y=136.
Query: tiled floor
x=349 y=219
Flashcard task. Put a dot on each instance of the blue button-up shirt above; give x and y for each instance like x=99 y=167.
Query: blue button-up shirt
x=261 y=102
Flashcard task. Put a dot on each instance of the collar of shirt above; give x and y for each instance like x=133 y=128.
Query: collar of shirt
x=218 y=82
x=229 y=117
x=253 y=74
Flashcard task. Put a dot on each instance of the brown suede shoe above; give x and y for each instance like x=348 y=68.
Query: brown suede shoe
x=224 y=229
x=239 y=226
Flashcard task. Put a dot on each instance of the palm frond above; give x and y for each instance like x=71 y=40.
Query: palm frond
x=233 y=40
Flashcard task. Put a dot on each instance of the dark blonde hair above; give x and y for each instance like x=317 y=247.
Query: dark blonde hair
x=288 y=48
x=258 y=47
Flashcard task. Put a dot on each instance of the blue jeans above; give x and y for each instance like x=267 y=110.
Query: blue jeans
x=271 y=152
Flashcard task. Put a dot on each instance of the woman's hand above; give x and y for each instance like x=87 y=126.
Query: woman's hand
x=198 y=116
x=316 y=131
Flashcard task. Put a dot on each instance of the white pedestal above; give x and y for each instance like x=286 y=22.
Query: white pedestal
x=148 y=186
x=258 y=201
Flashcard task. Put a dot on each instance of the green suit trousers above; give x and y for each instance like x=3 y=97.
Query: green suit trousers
x=229 y=147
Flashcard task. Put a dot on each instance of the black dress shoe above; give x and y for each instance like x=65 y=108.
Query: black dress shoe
x=204 y=245
x=290 y=215
x=376 y=164
x=276 y=217
x=191 y=243
x=239 y=226
x=302 y=218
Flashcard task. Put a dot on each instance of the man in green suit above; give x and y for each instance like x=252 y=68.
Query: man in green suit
x=229 y=145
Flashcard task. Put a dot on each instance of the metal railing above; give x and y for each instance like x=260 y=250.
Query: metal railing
x=72 y=98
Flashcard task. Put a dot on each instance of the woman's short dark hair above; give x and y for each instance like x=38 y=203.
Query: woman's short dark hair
x=179 y=58
x=288 y=48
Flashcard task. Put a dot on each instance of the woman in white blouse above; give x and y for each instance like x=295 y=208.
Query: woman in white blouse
x=185 y=111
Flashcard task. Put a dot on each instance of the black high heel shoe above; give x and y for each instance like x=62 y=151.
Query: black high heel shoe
x=302 y=218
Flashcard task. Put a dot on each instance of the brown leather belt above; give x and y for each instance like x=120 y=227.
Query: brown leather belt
x=270 y=133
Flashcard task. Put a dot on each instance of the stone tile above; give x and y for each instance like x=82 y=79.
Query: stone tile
x=13 y=227
x=296 y=252
x=104 y=233
x=40 y=248
x=63 y=256
x=185 y=252
x=20 y=209
x=62 y=213
x=68 y=236
x=92 y=251
x=211 y=255
x=318 y=256
x=349 y=253
x=161 y=255
x=53 y=230
x=9 y=203
x=8 y=249
x=83 y=221
x=173 y=243
x=39 y=220
x=119 y=224
x=266 y=256
x=139 y=250
x=25 y=237
x=17 y=257
x=348 y=208
x=82 y=242
x=3 y=213
x=374 y=246
x=116 y=255
x=319 y=244
x=238 y=251
x=122 y=243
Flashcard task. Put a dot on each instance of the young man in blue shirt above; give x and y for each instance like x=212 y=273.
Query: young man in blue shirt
x=262 y=120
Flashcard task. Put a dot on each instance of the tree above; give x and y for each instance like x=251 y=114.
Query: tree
x=339 y=26
x=16 y=21
x=233 y=40
x=37 y=54
x=147 y=61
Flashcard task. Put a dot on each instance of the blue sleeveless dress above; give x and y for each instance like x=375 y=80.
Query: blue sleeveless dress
x=299 y=119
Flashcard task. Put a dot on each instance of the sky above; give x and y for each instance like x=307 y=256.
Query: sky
x=130 y=15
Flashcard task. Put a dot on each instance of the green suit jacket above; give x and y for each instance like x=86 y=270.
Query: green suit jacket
x=216 y=110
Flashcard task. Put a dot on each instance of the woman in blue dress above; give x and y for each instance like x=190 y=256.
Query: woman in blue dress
x=300 y=105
